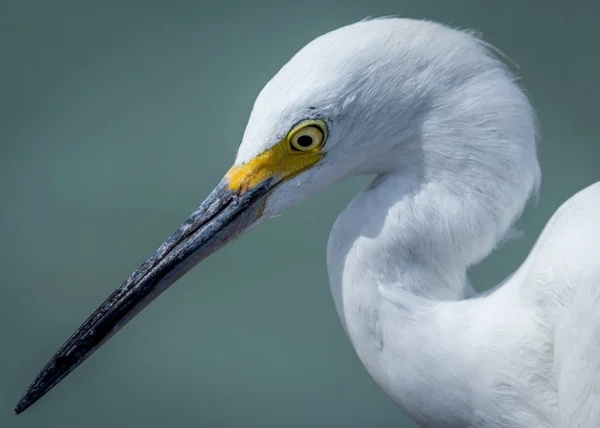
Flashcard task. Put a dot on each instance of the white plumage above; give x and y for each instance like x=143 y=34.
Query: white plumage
x=451 y=137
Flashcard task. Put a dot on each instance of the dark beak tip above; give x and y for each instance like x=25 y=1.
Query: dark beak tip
x=27 y=400
x=22 y=405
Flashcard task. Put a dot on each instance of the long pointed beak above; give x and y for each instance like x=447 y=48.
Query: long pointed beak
x=222 y=217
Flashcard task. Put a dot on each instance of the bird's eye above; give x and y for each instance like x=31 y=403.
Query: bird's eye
x=307 y=139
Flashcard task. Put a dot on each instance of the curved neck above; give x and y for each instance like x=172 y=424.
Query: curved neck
x=396 y=254
x=397 y=259
x=418 y=228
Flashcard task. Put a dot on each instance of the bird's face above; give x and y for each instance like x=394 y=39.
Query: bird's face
x=283 y=167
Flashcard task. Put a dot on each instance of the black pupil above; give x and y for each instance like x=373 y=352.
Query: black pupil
x=305 y=141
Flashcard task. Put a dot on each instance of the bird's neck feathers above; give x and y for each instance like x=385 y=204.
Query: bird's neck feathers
x=417 y=229
x=396 y=255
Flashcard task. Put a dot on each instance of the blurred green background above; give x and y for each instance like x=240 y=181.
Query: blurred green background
x=118 y=117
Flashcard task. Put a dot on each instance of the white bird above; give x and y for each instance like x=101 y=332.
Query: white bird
x=451 y=138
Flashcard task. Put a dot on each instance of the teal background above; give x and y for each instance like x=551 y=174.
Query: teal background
x=118 y=117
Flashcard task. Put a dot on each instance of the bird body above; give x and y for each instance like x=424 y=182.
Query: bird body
x=451 y=140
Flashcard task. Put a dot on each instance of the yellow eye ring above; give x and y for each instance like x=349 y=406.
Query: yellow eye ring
x=308 y=137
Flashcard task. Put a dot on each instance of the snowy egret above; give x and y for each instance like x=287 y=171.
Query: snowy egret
x=451 y=138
